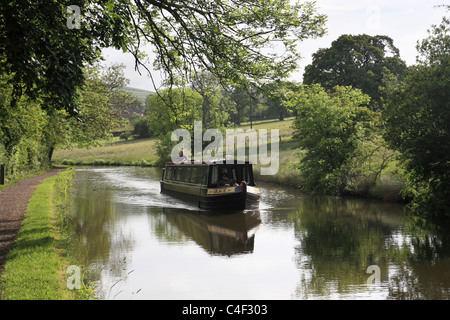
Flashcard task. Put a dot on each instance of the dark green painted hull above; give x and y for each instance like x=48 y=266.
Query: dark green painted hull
x=231 y=201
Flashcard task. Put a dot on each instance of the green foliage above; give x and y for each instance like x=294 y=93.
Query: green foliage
x=100 y=105
x=417 y=119
x=164 y=146
x=141 y=129
x=44 y=56
x=331 y=130
x=437 y=46
x=360 y=61
x=226 y=39
x=23 y=144
x=178 y=108
x=275 y=97
x=217 y=105
x=173 y=109
x=29 y=132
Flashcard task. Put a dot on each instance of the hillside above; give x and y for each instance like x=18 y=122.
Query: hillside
x=140 y=93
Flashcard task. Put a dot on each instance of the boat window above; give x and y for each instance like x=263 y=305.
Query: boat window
x=187 y=174
x=201 y=175
x=233 y=174
x=230 y=171
x=245 y=176
x=214 y=176
x=193 y=175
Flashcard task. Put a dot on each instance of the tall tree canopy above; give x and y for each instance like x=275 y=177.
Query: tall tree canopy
x=229 y=38
x=417 y=118
x=44 y=56
x=360 y=61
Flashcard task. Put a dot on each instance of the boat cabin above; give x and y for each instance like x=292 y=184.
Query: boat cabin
x=200 y=182
x=208 y=175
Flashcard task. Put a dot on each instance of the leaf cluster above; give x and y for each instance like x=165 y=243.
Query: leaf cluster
x=360 y=61
x=228 y=38
x=417 y=117
x=330 y=129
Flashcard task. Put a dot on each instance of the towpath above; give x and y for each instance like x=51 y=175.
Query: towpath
x=13 y=204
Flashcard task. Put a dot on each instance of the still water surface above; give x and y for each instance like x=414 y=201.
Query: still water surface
x=141 y=244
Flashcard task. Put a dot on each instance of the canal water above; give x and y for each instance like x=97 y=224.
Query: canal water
x=140 y=244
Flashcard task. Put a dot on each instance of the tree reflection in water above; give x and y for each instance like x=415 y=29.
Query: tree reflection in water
x=341 y=238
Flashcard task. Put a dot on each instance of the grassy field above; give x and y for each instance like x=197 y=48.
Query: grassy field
x=143 y=151
x=136 y=152
x=284 y=126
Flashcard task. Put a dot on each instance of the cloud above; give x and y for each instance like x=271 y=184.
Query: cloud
x=138 y=79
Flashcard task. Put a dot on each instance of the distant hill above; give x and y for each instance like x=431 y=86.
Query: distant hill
x=140 y=93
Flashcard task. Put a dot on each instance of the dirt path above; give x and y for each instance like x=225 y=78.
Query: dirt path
x=13 y=204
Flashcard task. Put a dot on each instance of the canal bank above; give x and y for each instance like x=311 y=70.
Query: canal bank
x=31 y=230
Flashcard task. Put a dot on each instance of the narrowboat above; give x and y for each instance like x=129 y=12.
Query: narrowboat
x=212 y=185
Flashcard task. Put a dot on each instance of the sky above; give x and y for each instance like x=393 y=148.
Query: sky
x=405 y=21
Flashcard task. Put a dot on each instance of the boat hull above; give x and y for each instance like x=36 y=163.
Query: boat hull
x=216 y=199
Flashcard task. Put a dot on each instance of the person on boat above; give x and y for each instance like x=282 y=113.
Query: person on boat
x=181 y=157
x=226 y=182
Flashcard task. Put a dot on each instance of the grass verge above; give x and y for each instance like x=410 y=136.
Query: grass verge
x=35 y=267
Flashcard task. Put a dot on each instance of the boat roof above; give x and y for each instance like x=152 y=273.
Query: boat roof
x=186 y=161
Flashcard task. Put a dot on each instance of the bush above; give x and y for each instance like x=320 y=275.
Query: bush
x=141 y=129
x=331 y=129
x=126 y=135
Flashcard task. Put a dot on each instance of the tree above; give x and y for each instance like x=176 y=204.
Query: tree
x=275 y=96
x=44 y=56
x=330 y=129
x=217 y=106
x=100 y=104
x=417 y=116
x=227 y=38
x=141 y=129
x=22 y=138
x=122 y=101
x=172 y=109
x=360 y=61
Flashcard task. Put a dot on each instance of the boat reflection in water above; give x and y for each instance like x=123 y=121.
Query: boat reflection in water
x=219 y=234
